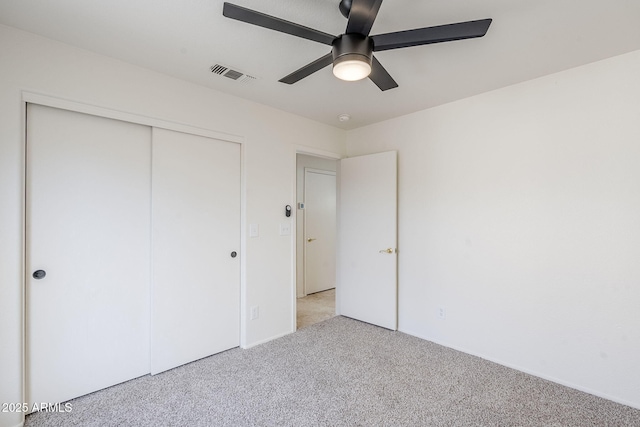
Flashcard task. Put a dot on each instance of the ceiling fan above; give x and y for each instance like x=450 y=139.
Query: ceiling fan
x=352 y=52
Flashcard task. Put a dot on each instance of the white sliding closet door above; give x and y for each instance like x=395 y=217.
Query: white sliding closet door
x=195 y=233
x=88 y=230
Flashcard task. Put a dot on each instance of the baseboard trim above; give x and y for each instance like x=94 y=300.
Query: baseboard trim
x=266 y=340
x=615 y=399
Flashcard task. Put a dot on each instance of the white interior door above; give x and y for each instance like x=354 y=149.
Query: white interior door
x=367 y=238
x=196 y=227
x=320 y=230
x=88 y=228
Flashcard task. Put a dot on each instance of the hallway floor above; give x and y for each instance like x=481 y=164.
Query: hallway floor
x=316 y=307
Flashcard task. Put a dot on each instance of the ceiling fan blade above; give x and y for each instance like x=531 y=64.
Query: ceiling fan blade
x=428 y=35
x=308 y=69
x=380 y=76
x=362 y=15
x=261 y=20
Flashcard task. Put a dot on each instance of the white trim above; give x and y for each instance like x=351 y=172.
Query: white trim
x=80 y=107
x=266 y=340
x=320 y=171
x=243 y=249
x=302 y=149
x=294 y=243
x=23 y=267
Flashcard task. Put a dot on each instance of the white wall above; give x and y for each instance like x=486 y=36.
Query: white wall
x=519 y=213
x=305 y=161
x=32 y=63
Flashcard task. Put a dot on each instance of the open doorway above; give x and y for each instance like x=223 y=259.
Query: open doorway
x=315 y=239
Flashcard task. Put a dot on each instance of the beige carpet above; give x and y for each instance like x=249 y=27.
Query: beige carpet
x=316 y=307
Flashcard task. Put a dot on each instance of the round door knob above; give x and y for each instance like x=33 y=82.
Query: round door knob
x=39 y=274
x=234 y=254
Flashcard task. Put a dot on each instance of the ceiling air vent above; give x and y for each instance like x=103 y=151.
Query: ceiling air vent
x=238 y=76
x=218 y=69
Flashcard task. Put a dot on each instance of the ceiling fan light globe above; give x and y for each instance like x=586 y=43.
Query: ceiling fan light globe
x=351 y=70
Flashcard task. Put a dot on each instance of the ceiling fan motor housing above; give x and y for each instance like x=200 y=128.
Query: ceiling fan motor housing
x=349 y=47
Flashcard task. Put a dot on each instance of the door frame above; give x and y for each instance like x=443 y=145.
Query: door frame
x=309 y=151
x=28 y=97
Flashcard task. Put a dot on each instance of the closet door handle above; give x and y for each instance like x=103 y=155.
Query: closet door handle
x=39 y=274
x=309 y=240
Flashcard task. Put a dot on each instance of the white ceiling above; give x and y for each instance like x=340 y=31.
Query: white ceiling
x=183 y=38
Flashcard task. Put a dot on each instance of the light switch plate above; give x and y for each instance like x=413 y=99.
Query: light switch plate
x=254 y=230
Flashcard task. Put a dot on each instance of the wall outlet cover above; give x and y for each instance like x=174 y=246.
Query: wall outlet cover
x=285 y=228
